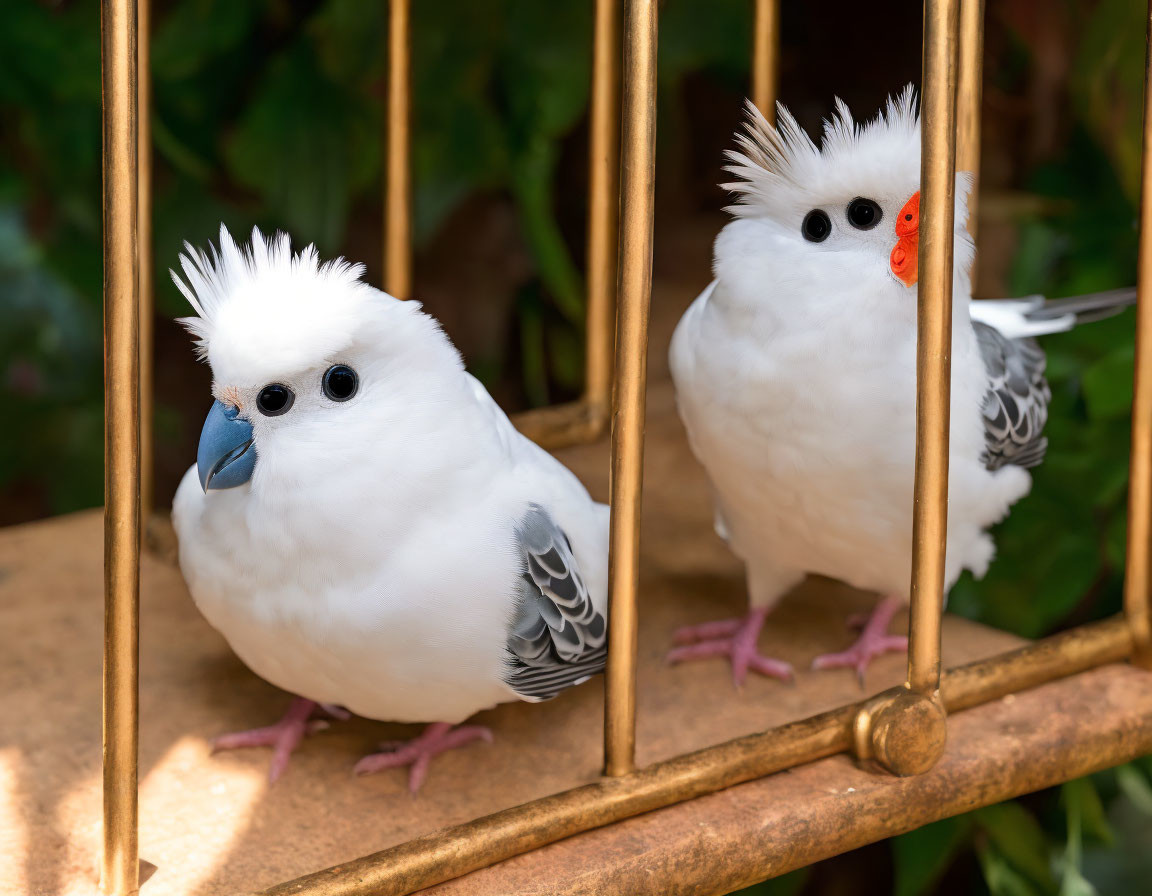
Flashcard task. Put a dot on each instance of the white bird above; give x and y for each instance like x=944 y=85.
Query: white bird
x=363 y=524
x=795 y=375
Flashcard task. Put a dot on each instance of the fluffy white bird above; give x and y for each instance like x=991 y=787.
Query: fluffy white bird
x=795 y=376
x=363 y=524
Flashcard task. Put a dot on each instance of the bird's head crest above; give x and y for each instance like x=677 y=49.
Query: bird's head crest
x=261 y=308
x=781 y=169
x=857 y=191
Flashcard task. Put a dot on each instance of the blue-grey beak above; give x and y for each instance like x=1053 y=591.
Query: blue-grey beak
x=226 y=456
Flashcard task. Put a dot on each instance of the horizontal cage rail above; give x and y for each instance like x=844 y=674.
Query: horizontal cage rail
x=458 y=850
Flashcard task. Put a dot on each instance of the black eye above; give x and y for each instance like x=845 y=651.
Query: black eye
x=274 y=400
x=816 y=226
x=864 y=214
x=340 y=382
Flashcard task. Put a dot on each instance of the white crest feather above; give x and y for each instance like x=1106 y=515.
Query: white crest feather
x=218 y=276
x=782 y=167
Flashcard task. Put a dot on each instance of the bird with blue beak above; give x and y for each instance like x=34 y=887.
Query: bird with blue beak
x=363 y=524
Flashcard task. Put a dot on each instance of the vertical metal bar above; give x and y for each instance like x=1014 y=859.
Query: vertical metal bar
x=398 y=173
x=1137 y=584
x=766 y=57
x=933 y=341
x=638 y=177
x=603 y=205
x=144 y=244
x=969 y=89
x=121 y=446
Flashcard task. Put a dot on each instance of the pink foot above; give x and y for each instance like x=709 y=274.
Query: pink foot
x=284 y=736
x=733 y=638
x=437 y=738
x=874 y=641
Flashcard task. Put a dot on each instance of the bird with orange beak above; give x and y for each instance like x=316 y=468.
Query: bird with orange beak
x=795 y=376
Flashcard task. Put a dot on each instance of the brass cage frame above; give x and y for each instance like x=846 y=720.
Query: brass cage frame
x=903 y=729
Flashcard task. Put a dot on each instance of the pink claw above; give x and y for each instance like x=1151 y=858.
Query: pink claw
x=874 y=641
x=284 y=736
x=417 y=753
x=733 y=638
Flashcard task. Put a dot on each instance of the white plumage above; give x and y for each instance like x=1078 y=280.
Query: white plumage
x=795 y=373
x=386 y=553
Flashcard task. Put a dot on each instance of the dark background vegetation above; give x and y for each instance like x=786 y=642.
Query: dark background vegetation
x=269 y=112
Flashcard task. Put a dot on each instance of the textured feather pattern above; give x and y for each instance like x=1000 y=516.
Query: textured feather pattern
x=217 y=277
x=371 y=561
x=1016 y=406
x=557 y=638
x=779 y=168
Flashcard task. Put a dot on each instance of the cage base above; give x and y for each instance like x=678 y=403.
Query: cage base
x=212 y=824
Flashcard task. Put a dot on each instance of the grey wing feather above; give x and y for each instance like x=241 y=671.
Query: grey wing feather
x=556 y=638
x=1090 y=307
x=1016 y=403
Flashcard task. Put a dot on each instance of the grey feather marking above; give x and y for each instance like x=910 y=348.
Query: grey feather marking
x=1016 y=404
x=556 y=637
x=1090 y=307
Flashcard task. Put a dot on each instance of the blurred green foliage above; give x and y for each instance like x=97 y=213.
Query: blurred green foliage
x=1060 y=554
x=268 y=112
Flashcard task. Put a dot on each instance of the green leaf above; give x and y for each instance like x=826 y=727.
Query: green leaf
x=1017 y=836
x=532 y=187
x=349 y=36
x=193 y=35
x=1003 y=879
x=1116 y=539
x=1134 y=785
x=459 y=145
x=922 y=856
x=543 y=69
x=566 y=356
x=535 y=376
x=717 y=41
x=1073 y=883
x=1108 y=384
x=186 y=212
x=183 y=158
x=303 y=145
x=1082 y=800
x=1107 y=81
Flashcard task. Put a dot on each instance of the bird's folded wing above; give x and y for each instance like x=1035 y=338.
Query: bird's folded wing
x=557 y=638
x=1016 y=403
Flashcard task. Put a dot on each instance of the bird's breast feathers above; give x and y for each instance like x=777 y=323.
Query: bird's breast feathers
x=393 y=628
x=808 y=433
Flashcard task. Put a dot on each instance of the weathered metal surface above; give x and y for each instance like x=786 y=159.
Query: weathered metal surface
x=765 y=828
x=122 y=531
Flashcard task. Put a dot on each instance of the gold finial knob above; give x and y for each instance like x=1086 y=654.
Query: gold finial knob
x=903 y=731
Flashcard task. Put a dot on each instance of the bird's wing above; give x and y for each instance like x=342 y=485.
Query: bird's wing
x=557 y=638
x=1037 y=316
x=1016 y=403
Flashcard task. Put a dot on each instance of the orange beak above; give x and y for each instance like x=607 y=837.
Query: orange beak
x=905 y=258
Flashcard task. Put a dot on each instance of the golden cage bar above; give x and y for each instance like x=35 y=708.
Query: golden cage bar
x=903 y=730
